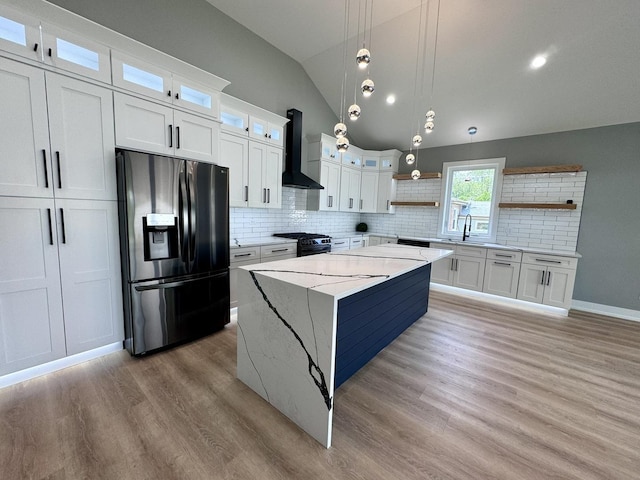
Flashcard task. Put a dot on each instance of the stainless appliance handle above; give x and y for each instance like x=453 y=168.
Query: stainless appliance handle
x=157 y=286
x=193 y=223
x=183 y=215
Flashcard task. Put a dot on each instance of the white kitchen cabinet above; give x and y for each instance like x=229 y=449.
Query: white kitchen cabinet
x=69 y=152
x=369 y=191
x=31 y=318
x=70 y=52
x=280 y=251
x=20 y=34
x=464 y=269
x=502 y=273
x=387 y=186
x=271 y=133
x=24 y=132
x=82 y=139
x=234 y=121
x=352 y=157
x=374 y=240
x=89 y=254
x=547 y=279
x=370 y=160
x=356 y=242
x=326 y=174
x=323 y=147
x=338 y=244
x=349 y=189
x=234 y=154
x=265 y=176
x=151 y=127
x=389 y=160
x=162 y=85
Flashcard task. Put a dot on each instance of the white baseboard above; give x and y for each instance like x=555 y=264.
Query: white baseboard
x=54 y=366
x=511 y=302
x=624 y=313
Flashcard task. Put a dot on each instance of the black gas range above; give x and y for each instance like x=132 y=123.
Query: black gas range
x=309 y=243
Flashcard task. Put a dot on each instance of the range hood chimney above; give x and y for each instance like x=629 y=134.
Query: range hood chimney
x=293 y=176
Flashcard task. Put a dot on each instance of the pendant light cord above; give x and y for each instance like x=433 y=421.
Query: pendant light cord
x=435 y=52
x=345 y=30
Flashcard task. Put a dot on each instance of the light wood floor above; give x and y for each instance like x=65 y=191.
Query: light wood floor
x=472 y=391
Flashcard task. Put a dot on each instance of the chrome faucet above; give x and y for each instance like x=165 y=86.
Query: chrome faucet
x=466 y=234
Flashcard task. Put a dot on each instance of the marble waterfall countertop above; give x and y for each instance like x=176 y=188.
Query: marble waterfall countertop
x=346 y=272
x=289 y=317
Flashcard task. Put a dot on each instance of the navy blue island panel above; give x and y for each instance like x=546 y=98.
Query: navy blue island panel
x=371 y=319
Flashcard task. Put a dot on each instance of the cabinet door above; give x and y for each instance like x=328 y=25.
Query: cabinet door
x=258 y=129
x=82 y=140
x=272 y=179
x=350 y=190
x=141 y=77
x=369 y=192
x=25 y=166
x=501 y=278
x=234 y=154
x=558 y=289
x=442 y=271
x=75 y=54
x=234 y=121
x=19 y=34
x=330 y=180
x=373 y=241
x=329 y=151
x=143 y=125
x=90 y=272
x=386 y=192
x=31 y=322
x=196 y=138
x=531 y=283
x=257 y=194
x=194 y=96
x=469 y=272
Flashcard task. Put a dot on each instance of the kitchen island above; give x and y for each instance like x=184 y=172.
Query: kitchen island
x=306 y=324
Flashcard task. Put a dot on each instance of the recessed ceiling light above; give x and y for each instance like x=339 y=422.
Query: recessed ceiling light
x=538 y=61
x=391 y=99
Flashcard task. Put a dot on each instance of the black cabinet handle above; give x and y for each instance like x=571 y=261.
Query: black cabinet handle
x=177 y=96
x=242 y=255
x=169 y=93
x=46 y=171
x=543 y=275
x=246 y=129
x=246 y=193
x=502 y=263
x=35 y=47
x=59 y=176
x=177 y=137
x=64 y=233
x=548 y=278
x=268 y=195
x=50 y=227
x=280 y=250
x=170 y=136
x=50 y=52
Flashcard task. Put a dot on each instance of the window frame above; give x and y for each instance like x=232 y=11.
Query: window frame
x=448 y=168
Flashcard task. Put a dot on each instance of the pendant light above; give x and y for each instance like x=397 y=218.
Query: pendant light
x=431 y=114
x=367 y=86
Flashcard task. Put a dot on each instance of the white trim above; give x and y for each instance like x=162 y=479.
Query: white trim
x=608 y=310
x=505 y=301
x=50 y=367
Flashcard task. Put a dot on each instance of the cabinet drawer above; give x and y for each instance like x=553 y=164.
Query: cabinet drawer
x=504 y=255
x=340 y=244
x=243 y=254
x=268 y=251
x=549 y=260
x=471 y=251
x=356 y=242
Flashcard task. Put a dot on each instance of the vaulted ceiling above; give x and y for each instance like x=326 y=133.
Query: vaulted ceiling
x=482 y=73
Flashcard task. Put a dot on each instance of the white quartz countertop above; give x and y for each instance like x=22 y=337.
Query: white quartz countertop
x=344 y=273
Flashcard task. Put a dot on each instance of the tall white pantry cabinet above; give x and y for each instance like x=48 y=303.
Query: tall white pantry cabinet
x=60 y=286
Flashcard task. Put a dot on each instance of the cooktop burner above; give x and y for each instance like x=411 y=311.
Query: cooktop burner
x=300 y=235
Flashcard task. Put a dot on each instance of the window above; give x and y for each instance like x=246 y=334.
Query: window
x=471 y=192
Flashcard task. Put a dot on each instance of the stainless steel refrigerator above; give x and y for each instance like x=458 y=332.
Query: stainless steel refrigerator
x=174 y=244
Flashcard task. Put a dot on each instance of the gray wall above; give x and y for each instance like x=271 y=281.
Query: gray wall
x=197 y=33
x=609 y=237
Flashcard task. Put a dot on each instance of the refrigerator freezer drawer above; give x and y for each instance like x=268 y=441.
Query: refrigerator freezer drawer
x=165 y=314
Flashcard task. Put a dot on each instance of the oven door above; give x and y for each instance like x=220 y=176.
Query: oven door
x=307 y=250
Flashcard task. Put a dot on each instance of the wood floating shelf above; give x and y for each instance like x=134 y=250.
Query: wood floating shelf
x=423 y=176
x=547 y=206
x=547 y=169
x=416 y=204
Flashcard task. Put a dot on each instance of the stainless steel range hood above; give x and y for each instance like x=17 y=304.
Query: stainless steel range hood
x=293 y=176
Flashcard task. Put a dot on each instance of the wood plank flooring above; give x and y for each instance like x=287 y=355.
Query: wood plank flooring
x=471 y=391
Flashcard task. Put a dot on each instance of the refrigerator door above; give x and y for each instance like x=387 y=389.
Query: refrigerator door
x=154 y=215
x=207 y=187
x=172 y=312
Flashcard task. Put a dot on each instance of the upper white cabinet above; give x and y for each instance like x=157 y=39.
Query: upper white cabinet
x=82 y=141
x=263 y=130
x=370 y=160
x=20 y=34
x=160 y=84
x=78 y=161
x=386 y=192
x=369 y=191
x=265 y=176
x=75 y=54
x=327 y=173
x=352 y=157
x=246 y=120
x=155 y=128
x=234 y=154
x=234 y=120
x=350 y=189
x=25 y=160
x=389 y=160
